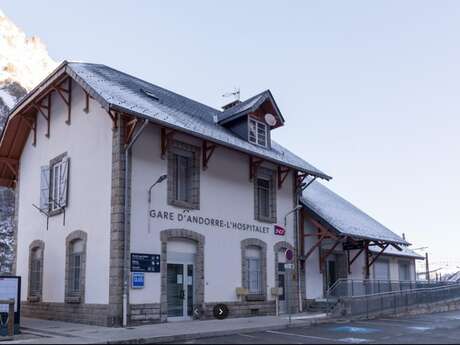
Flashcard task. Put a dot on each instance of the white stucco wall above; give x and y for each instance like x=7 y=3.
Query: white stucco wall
x=226 y=193
x=88 y=143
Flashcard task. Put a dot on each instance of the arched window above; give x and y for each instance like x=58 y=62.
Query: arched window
x=75 y=261
x=36 y=253
x=254 y=271
x=75 y=267
x=254 y=268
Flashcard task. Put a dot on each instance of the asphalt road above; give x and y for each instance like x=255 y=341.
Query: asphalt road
x=443 y=328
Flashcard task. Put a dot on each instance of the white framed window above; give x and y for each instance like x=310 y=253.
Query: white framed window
x=75 y=268
x=183 y=181
x=263 y=195
x=254 y=270
x=258 y=133
x=58 y=183
x=184 y=175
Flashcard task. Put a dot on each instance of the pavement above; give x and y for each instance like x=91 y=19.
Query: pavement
x=442 y=328
x=36 y=331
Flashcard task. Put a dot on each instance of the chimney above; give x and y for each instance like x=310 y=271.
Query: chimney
x=231 y=104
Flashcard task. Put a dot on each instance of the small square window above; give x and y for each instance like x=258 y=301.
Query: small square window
x=258 y=133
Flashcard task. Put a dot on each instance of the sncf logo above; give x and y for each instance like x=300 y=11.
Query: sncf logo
x=279 y=230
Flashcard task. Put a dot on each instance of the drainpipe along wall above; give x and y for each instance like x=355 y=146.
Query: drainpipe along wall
x=126 y=232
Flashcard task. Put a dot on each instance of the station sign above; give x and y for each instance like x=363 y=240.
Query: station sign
x=147 y=263
x=279 y=230
x=137 y=280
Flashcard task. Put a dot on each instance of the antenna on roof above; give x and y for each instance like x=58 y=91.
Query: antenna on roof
x=235 y=93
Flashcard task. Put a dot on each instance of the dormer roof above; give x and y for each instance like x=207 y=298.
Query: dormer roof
x=250 y=106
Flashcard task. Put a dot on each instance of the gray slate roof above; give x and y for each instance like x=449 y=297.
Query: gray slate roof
x=406 y=252
x=119 y=91
x=344 y=217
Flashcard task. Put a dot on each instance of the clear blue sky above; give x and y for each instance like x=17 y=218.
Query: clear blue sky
x=370 y=89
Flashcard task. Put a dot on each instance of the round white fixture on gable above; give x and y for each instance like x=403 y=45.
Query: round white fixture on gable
x=270 y=119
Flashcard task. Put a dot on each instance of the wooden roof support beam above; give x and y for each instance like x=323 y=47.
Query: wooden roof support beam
x=323 y=229
x=351 y=262
x=114 y=116
x=66 y=96
x=207 y=151
x=129 y=129
x=86 y=108
x=326 y=255
x=166 y=136
x=378 y=255
x=7 y=182
x=283 y=173
x=254 y=164
x=45 y=111
x=312 y=249
x=32 y=124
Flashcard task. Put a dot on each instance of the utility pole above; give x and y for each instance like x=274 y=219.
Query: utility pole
x=427 y=263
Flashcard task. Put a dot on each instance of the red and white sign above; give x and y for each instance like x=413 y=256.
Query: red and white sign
x=279 y=230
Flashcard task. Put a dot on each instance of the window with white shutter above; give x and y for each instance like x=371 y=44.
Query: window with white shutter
x=58 y=177
x=45 y=188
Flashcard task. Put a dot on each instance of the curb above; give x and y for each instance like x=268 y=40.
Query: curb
x=186 y=337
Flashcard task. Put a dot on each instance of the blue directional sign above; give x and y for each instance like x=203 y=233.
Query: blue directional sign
x=137 y=280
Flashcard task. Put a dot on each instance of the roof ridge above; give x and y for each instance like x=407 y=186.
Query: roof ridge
x=152 y=84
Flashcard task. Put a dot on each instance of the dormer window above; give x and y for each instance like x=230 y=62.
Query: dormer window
x=258 y=133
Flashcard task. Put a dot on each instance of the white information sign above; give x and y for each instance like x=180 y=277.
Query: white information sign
x=8 y=290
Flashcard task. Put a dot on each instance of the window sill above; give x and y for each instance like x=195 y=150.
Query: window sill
x=56 y=212
x=255 y=298
x=266 y=220
x=183 y=204
x=73 y=300
x=33 y=299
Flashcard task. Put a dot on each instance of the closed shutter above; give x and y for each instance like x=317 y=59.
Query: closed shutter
x=64 y=182
x=382 y=270
x=44 y=188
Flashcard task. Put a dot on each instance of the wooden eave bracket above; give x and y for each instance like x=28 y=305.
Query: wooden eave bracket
x=87 y=97
x=166 y=136
x=374 y=259
x=283 y=173
x=64 y=90
x=207 y=152
x=129 y=129
x=12 y=164
x=32 y=124
x=324 y=256
x=114 y=116
x=254 y=164
x=45 y=111
x=322 y=235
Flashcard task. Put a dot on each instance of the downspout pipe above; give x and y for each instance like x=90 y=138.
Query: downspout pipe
x=125 y=228
x=298 y=219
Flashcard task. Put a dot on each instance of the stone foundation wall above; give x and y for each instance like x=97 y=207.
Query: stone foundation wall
x=243 y=309
x=91 y=314
x=141 y=314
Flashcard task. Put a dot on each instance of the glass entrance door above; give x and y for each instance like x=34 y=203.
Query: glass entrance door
x=282 y=285
x=180 y=291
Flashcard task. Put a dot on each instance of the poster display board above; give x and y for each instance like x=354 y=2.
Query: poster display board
x=10 y=288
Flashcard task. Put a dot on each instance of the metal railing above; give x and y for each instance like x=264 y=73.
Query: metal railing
x=10 y=320
x=397 y=300
x=361 y=287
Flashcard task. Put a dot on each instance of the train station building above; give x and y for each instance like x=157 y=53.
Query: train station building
x=138 y=205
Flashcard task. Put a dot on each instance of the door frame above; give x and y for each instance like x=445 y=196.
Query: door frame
x=185 y=285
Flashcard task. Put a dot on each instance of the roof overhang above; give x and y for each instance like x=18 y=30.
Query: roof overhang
x=345 y=235
x=17 y=130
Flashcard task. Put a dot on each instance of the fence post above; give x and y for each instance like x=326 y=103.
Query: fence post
x=11 y=318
